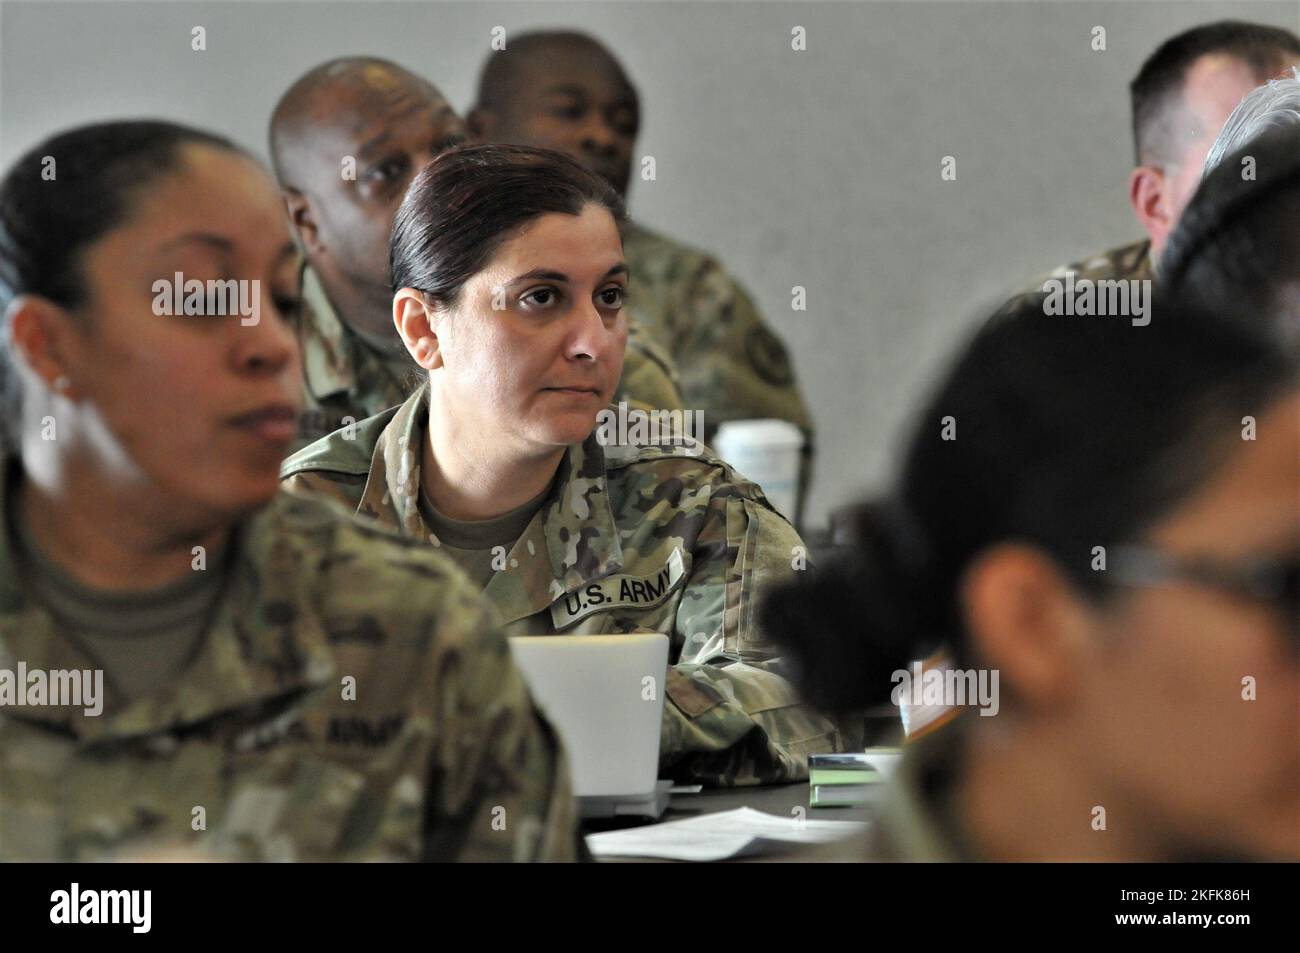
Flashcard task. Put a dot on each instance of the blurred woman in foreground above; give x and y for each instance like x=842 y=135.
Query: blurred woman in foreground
x=247 y=674
x=1107 y=517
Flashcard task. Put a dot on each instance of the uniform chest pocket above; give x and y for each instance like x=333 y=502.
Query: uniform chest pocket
x=350 y=791
x=306 y=811
x=135 y=802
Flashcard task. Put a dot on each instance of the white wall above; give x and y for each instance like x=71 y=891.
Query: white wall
x=818 y=168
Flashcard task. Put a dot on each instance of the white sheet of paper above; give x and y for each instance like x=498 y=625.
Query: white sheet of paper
x=719 y=836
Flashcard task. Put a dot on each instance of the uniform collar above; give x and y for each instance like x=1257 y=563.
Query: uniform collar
x=572 y=540
x=335 y=361
x=260 y=646
x=328 y=358
x=1147 y=263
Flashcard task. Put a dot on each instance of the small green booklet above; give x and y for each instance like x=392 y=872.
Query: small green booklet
x=849 y=778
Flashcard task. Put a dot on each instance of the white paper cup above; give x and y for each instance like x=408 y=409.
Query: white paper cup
x=767 y=452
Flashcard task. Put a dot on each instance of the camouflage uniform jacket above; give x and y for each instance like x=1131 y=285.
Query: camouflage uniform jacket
x=632 y=538
x=439 y=755
x=1127 y=262
x=729 y=362
x=343 y=378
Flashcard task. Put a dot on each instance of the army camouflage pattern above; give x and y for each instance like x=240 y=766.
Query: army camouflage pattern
x=1127 y=262
x=729 y=363
x=343 y=378
x=439 y=750
x=649 y=380
x=694 y=543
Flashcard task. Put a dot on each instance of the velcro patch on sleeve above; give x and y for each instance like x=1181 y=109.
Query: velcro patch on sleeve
x=622 y=591
x=692 y=697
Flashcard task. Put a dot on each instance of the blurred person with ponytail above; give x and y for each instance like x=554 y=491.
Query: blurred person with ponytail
x=1107 y=517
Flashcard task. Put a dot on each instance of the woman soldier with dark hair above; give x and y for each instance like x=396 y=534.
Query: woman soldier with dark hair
x=509 y=280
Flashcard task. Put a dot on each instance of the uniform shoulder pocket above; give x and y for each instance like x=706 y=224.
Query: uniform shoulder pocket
x=765 y=548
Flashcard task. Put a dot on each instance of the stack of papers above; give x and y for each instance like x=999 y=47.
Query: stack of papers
x=721 y=836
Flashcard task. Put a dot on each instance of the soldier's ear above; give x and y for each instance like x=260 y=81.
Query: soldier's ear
x=1147 y=195
x=303 y=219
x=43 y=341
x=1025 y=622
x=416 y=320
